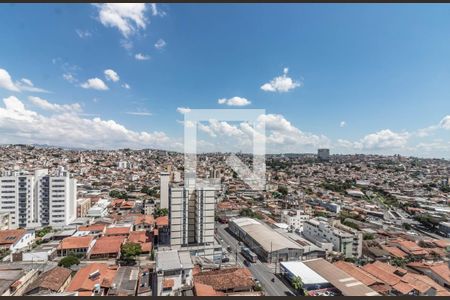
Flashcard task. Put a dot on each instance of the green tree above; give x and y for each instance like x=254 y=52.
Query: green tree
x=69 y=261
x=407 y=226
x=297 y=283
x=130 y=250
x=368 y=236
x=160 y=212
x=283 y=190
x=118 y=194
x=43 y=231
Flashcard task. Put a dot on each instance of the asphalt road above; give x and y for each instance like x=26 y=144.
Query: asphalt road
x=259 y=270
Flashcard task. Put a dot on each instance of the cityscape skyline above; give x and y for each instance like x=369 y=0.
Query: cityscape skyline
x=328 y=76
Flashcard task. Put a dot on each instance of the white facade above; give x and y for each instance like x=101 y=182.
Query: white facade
x=344 y=239
x=24 y=241
x=191 y=216
x=39 y=199
x=175 y=266
x=99 y=210
x=164 y=190
x=294 y=219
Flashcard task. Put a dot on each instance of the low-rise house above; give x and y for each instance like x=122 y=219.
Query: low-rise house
x=223 y=282
x=173 y=271
x=439 y=272
x=16 y=239
x=76 y=245
x=383 y=272
x=42 y=253
x=107 y=247
x=409 y=247
x=94 y=229
x=55 y=280
x=144 y=222
x=95 y=279
x=141 y=238
x=123 y=231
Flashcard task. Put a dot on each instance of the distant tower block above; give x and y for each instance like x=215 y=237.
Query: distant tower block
x=323 y=154
x=164 y=190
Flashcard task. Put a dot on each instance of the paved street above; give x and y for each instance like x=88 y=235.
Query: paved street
x=259 y=270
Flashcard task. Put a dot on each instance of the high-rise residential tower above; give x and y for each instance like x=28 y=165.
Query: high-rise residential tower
x=38 y=199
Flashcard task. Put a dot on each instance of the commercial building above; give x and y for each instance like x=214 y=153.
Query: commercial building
x=38 y=199
x=319 y=274
x=345 y=240
x=267 y=243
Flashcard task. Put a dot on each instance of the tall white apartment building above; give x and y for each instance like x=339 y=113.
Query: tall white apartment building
x=294 y=218
x=164 y=190
x=38 y=199
x=346 y=240
x=191 y=216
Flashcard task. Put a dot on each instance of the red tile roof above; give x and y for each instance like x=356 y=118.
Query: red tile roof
x=83 y=282
x=168 y=283
x=141 y=238
x=357 y=273
x=394 y=251
x=107 y=245
x=52 y=279
x=93 y=228
x=75 y=242
x=118 y=231
x=162 y=221
x=10 y=237
x=143 y=219
x=226 y=279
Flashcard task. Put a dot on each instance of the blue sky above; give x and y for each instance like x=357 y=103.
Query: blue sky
x=356 y=78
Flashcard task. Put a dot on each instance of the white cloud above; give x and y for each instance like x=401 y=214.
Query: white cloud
x=280 y=135
x=280 y=131
x=445 y=122
x=281 y=83
x=384 y=139
x=342 y=124
x=20 y=125
x=126 y=44
x=235 y=101
x=160 y=44
x=183 y=110
x=69 y=77
x=140 y=56
x=111 y=75
x=126 y=86
x=6 y=81
x=126 y=17
x=46 y=105
x=139 y=113
x=95 y=83
x=156 y=11
x=83 y=33
x=24 y=84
